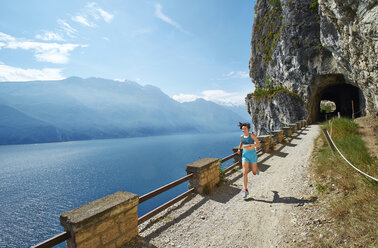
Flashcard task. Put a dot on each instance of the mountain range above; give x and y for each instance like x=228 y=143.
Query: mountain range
x=96 y=108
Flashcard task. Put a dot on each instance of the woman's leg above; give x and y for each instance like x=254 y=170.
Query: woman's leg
x=254 y=168
x=245 y=174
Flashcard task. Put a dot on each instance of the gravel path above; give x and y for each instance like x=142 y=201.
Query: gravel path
x=224 y=219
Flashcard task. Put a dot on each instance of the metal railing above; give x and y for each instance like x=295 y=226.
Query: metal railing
x=65 y=235
x=53 y=241
x=165 y=205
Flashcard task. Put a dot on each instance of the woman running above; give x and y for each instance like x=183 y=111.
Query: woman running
x=249 y=157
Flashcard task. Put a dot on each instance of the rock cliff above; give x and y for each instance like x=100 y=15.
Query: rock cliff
x=322 y=50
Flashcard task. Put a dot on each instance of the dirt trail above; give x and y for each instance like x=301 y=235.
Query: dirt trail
x=224 y=219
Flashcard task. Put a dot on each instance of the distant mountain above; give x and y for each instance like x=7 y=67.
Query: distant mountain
x=95 y=108
x=17 y=127
x=242 y=112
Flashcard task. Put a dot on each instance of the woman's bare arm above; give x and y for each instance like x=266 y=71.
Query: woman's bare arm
x=258 y=144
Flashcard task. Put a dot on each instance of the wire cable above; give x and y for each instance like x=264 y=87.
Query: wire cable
x=349 y=162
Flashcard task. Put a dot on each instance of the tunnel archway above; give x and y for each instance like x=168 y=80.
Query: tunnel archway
x=349 y=99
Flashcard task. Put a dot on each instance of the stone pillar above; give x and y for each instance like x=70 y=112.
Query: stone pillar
x=266 y=142
x=287 y=131
x=238 y=158
x=293 y=128
x=206 y=174
x=111 y=221
x=299 y=125
x=278 y=136
x=304 y=123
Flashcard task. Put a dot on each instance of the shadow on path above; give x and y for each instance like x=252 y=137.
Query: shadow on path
x=222 y=194
x=174 y=221
x=286 y=200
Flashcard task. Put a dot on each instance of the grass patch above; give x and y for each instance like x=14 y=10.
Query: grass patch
x=270 y=90
x=222 y=175
x=314 y=5
x=274 y=3
x=206 y=189
x=320 y=188
x=352 y=197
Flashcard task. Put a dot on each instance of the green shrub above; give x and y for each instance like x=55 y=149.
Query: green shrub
x=271 y=89
x=314 y=5
x=320 y=188
x=206 y=189
x=275 y=2
x=221 y=175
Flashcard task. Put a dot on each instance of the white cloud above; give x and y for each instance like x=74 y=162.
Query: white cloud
x=6 y=37
x=93 y=10
x=238 y=74
x=218 y=96
x=91 y=13
x=82 y=20
x=9 y=73
x=106 y=38
x=70 y=31
x=46 y=52
x=105 y=15
x=159 y=14
x=233 y=74
x=47 y=35
x=185 y=97
x=120 y=80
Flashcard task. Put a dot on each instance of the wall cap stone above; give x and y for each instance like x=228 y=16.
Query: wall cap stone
x=199 y=165
x=93 y=210
x=277 y=131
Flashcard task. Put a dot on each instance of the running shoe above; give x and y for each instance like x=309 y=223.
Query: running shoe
x=258 y=172
x=245 y=193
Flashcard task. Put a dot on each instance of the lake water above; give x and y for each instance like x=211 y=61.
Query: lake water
x=39 y=182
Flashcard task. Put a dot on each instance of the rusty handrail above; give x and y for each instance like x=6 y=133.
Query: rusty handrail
x=228 y=157
x=164 y=206
x=164 y=188
x=53 y=241
x=231 y=167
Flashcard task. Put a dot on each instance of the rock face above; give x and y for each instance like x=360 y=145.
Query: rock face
x=318 y=50
x=269 y=114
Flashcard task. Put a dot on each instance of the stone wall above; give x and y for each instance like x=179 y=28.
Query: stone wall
x=111 y=221
x=206 y=174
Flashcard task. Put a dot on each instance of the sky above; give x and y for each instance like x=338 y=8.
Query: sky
x=189 y=49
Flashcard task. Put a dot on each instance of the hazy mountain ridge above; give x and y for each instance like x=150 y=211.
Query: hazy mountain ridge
x=95 y=108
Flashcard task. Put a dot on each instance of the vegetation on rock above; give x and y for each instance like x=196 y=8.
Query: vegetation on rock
x=270 y=29
x=270 y=90
x=314 y=5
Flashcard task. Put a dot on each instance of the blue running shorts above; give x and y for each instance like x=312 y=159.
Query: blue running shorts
x=249 y=156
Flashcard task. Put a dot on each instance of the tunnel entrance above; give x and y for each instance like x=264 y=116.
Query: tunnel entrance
x=349 y=99
x=327 y=109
